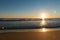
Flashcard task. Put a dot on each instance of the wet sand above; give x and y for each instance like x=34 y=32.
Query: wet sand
x=52 y=35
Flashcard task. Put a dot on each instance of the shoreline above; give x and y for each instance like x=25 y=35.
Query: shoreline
x=30 y=30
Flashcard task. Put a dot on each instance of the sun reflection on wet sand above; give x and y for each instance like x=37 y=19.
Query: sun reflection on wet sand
x=43 y=30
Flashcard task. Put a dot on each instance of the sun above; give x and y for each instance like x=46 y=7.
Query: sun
x=43 y=16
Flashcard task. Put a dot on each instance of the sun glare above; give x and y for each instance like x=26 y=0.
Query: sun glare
x=43 y=16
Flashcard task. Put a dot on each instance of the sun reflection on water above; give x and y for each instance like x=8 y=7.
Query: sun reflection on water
x=43 y=23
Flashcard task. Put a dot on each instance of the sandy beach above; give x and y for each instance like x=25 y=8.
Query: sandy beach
x=51 y=35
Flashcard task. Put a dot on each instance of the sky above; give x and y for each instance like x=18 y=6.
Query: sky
x=29 y=8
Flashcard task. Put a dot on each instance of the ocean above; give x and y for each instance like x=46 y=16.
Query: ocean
x=30 y=24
